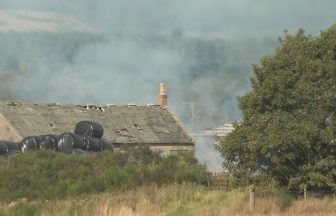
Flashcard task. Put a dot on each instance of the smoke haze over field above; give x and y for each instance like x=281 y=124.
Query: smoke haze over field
x=233 y=18
x=202 y=49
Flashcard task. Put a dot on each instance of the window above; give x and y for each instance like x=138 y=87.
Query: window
x=124 y=132
x=179 y=151
x=161 y=130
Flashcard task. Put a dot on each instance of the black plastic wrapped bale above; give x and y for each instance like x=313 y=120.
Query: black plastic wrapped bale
x=49 y=141
x=94 y=144
x=107 y=145
x=67 y=142
x=79 y=151
x=14 y=152
x=13 y=147
x=89 y=128
x=30 y=143
x=3 y=148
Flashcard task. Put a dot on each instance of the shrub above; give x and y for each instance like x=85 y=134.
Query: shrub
x=283 y=199
x=48 y=175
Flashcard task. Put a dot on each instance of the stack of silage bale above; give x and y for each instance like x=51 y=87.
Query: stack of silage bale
x=43 y=142
x=87 y=137
x=7 y=147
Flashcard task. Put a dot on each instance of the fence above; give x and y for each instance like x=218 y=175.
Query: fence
x=292 y=194
x=221 y=181
x=218 y=181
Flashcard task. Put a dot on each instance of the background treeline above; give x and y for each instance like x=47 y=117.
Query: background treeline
x=49 y=175
x=31 y=53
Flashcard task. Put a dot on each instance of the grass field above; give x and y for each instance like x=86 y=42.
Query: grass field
x=137 y=182
x=170 y=200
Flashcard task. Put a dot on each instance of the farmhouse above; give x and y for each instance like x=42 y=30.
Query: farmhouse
x=124 y=125
x=217 y=132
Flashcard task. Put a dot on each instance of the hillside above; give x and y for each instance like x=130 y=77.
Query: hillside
x=205 y=72
x=203 y=76
x=30 y=21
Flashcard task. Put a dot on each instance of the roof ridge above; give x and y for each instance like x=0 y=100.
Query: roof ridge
x=11 y=102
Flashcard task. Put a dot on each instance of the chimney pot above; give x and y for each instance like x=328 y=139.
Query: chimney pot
x=162 y=96
x=162 y=88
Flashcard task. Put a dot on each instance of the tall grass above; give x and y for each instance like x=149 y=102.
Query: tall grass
x=185 y=199
x=136 y=182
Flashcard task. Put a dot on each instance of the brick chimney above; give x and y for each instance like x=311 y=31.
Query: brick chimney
x=162 y=96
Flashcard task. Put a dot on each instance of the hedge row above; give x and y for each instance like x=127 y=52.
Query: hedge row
x=49 y=175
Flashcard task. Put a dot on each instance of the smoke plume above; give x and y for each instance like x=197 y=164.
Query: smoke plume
x=203 y=50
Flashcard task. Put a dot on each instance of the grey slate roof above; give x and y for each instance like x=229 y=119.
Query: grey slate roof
x=128 y=124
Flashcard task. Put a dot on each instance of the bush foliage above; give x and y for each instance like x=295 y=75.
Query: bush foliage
x=288 y=132
x=48 y=175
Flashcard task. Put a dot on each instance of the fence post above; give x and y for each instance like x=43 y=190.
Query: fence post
x=208 y=181
x=305 y=193
x=252 y=199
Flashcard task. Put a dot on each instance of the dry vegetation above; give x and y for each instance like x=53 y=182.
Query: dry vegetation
x=169 y=200
x=136 y=182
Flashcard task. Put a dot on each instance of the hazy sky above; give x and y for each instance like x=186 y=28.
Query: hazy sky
x=234 y=18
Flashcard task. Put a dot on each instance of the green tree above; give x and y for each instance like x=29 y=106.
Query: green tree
x=288 y=132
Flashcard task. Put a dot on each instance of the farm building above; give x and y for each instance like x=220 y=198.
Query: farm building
x=124 y=125
x=217 y=132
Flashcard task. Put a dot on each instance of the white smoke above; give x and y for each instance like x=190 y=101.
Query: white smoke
x=125 y=68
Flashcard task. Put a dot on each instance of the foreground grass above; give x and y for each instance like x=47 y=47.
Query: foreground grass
x=168 y=200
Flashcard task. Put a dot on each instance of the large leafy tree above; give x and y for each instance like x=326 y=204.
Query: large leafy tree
x=288 y=132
